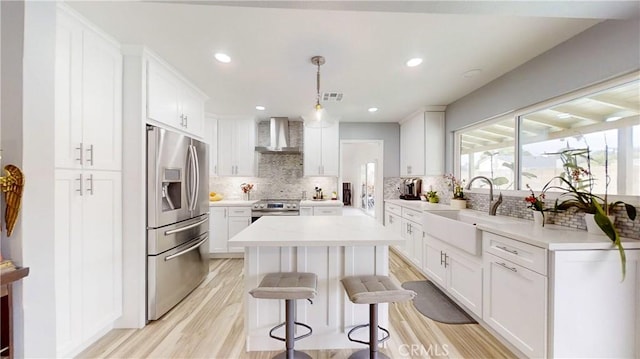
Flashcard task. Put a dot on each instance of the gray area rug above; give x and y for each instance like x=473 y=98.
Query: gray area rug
x=435 y=305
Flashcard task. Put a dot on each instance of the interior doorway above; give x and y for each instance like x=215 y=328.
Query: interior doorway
x=361 y=165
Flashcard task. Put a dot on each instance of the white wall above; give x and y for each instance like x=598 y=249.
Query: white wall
x=388 y=132
x=27 y=138
x=606 y=50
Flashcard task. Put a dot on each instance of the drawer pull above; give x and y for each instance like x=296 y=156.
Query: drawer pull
x=503 y=264
x=512 y=251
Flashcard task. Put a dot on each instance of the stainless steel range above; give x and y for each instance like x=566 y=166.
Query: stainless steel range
x=275 y=207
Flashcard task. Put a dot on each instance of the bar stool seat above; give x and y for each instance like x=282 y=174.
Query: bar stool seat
x=373 y=290
x=288 y=286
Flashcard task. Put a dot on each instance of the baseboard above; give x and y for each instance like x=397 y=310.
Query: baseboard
x=226 y=255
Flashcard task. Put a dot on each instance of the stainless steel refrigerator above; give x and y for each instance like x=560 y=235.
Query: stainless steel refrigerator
x=177 y=218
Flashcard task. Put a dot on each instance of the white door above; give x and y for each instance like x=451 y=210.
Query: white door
x=433 y=264
x=193 y=111
x=225 y=148
x=218 y=229
x=68 y=270
x=330 y=148
x=68 y=121
x=101 y=103
x=101 y=250
x=244 y=145
x=237 y=224
x=211 y=137
x=312 y=151
x=163 y=94
x=417 y=236
x=465 y=282
x=412 y=147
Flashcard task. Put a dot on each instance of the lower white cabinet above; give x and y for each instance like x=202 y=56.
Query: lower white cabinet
x=327 y=211
x=412 y=233
x=224 y=223
x=306 y=211
x=515 y=304
x=88 y=249
x=459 y=274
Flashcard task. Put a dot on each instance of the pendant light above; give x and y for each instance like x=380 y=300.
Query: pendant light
x=319 y=118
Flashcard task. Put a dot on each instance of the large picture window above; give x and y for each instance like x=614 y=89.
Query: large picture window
x=606 y=120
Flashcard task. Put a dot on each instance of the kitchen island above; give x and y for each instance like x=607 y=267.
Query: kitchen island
x=331 y=247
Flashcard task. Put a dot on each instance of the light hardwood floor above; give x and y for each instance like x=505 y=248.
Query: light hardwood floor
x=209 y=324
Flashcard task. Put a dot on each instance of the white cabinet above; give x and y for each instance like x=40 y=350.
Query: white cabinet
x=459 y=274
x=88 y=238
x=236 y=147
x=211 y=137
x=412 y=233
x=306 y=211
x=321 y=151
x=434 y=143
x=171 y=100
x=88 y=183
x=224 y=223
x=515 y=304
x=422 y=145
x=218 y=229
x=327 y=211
x=412 y=146
x=88 y=87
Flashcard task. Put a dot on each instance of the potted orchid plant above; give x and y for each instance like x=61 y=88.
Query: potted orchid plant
x=536 y=203
x=457 y=186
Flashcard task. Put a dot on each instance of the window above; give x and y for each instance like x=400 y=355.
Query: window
x=606 y=120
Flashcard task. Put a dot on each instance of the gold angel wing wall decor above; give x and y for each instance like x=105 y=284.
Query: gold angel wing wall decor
x=12 y=186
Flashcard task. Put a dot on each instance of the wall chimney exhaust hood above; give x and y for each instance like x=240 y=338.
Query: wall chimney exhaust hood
x=279 y=134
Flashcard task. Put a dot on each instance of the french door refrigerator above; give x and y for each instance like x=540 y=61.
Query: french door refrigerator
x=177 y=218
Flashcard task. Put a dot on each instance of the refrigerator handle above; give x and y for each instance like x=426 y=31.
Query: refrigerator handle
x=193 y=170
x=196 y=190
x=188 y=179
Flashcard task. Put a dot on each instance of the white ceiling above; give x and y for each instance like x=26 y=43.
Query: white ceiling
x=365 y=48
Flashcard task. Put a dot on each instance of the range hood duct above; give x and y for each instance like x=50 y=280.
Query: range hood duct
x=279 y=134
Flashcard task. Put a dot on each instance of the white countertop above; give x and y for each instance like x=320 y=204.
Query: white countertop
x=321 y=203
x=551 y=236
x=420 y=205
x=301 y=231
x=232 y=203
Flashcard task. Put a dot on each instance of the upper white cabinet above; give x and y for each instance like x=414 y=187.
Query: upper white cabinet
x=322 y=151
x=434 y=143
x=412 y=146
x=88 y=80
x=236 y=147
x=211 y=137
x=171 y=100
x=422 y=145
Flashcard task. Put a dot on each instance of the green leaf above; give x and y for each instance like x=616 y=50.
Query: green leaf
x=607 y=227
x=500 y=181
x=529 y=175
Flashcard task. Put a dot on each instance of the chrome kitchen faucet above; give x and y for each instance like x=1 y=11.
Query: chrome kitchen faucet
x=493 y=205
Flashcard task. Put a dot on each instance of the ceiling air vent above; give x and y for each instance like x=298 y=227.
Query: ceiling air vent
x=331 y=97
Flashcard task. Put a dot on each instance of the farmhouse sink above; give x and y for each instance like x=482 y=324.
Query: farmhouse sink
x=455 y=228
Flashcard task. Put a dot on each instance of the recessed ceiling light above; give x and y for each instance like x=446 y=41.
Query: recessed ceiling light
x=224 y=58
x=260 y=108
x=372 y=109
x=564 y=115
x=471 y=73
x=414 y=62
x=613 y=118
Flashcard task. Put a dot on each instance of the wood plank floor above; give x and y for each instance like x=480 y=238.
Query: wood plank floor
x=209 y=324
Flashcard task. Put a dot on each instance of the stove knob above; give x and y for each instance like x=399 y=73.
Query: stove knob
x=255 y=206
x=294 y=206
x=262 y=206
x=288 y=206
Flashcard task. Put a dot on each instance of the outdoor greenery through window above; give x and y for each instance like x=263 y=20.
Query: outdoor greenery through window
x=606 y=122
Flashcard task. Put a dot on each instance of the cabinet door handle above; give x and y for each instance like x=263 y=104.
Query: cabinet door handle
x=79 y=179
x=512 y=251
x=410 y=227
x=503 y=264
x=441 y=258
x=225 y=213
x=186 y=121
x=90 y=151
x=446 y=257
x=90 y=189
x=390 y=219
x=81 y=153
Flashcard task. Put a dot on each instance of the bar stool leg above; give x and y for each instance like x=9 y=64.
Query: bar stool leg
x=289 y=330
x=372 y=352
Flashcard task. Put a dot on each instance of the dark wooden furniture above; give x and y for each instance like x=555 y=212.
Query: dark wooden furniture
x=6 y=309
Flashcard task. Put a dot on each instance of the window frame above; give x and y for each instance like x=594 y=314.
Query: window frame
x=517 y=114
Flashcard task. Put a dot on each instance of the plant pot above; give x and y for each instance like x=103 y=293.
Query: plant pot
x=538 y=219
x=459 y=203
x=434 y=199
x=592 y=226
x=247 y=196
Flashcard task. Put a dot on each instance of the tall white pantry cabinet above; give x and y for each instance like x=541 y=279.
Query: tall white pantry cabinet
x=88 y=187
